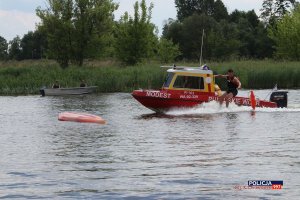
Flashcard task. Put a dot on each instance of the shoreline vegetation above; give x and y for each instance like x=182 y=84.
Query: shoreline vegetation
x=27 y=77
x=70 y=34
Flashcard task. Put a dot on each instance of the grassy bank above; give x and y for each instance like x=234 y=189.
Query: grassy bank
x=27 y=77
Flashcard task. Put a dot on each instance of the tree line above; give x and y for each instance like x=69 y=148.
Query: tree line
x=238 y=35
x=73 y=30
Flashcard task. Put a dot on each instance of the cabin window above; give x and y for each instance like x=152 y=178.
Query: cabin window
x=168 y=80
x=189 y=82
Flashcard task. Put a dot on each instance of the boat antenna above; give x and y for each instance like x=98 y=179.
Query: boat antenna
x=274 y=89
x=201 y=48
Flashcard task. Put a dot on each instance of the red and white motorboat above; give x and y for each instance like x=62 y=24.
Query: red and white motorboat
x=189 y=87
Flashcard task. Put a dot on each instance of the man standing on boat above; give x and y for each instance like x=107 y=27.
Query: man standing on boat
x=233 y=84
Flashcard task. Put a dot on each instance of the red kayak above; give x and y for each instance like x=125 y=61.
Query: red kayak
x=80 y=117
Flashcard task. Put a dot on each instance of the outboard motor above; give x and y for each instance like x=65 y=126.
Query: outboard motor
x=280 y=97
x=42 y=91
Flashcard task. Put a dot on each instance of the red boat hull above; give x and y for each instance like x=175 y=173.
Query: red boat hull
x=163 y=100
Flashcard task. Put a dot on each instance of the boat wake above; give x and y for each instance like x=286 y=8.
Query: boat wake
x=214 y=108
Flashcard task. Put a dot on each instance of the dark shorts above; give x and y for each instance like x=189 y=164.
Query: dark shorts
x=234 y=92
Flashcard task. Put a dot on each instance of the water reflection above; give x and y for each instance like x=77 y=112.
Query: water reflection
x=231 y=123
x=167 y=116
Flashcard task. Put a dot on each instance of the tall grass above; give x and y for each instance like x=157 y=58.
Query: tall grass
x=263 y=74
x=28 y=77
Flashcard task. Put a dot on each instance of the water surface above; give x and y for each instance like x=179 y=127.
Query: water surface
x=199 y=153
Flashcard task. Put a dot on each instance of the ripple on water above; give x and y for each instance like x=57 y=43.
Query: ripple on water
x=199 y=153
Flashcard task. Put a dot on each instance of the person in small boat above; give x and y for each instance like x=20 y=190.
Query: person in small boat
x=56 y=85
x=83 y=84
x=233 y=84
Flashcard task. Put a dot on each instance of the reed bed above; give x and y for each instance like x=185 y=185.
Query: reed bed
x=28 y=77
x=263 y=74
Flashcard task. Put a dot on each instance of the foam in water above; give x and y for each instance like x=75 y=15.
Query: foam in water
x=213 y=107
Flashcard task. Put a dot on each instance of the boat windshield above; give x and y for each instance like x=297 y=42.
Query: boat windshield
x=189 y=82
x=168 y=80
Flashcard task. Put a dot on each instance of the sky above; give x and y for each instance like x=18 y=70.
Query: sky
x=17 y=17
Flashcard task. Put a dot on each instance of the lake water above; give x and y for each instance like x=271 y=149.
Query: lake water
x=200 y=153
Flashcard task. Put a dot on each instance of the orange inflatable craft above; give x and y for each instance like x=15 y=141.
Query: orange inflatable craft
x=80 y=117
x=252 y=100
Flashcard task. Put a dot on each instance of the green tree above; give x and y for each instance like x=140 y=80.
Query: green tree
x=167 y=50
x=220 y=39
x=220 y=11
x=247 y=38
x=186 y=8
x=14 y=50
x=224 y=41
x=3 y=48
x=33 y=45
x=172 y=30
x=286 y=36
x=192 y=29
x=264 y=45
x=267 y=11
x=75 y=27
x=273 y=10
x=253 y=37
x=135 y=36
x=283 y=6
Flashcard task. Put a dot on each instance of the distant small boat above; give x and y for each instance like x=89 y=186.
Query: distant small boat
x=80 y=117
x=67 y=91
